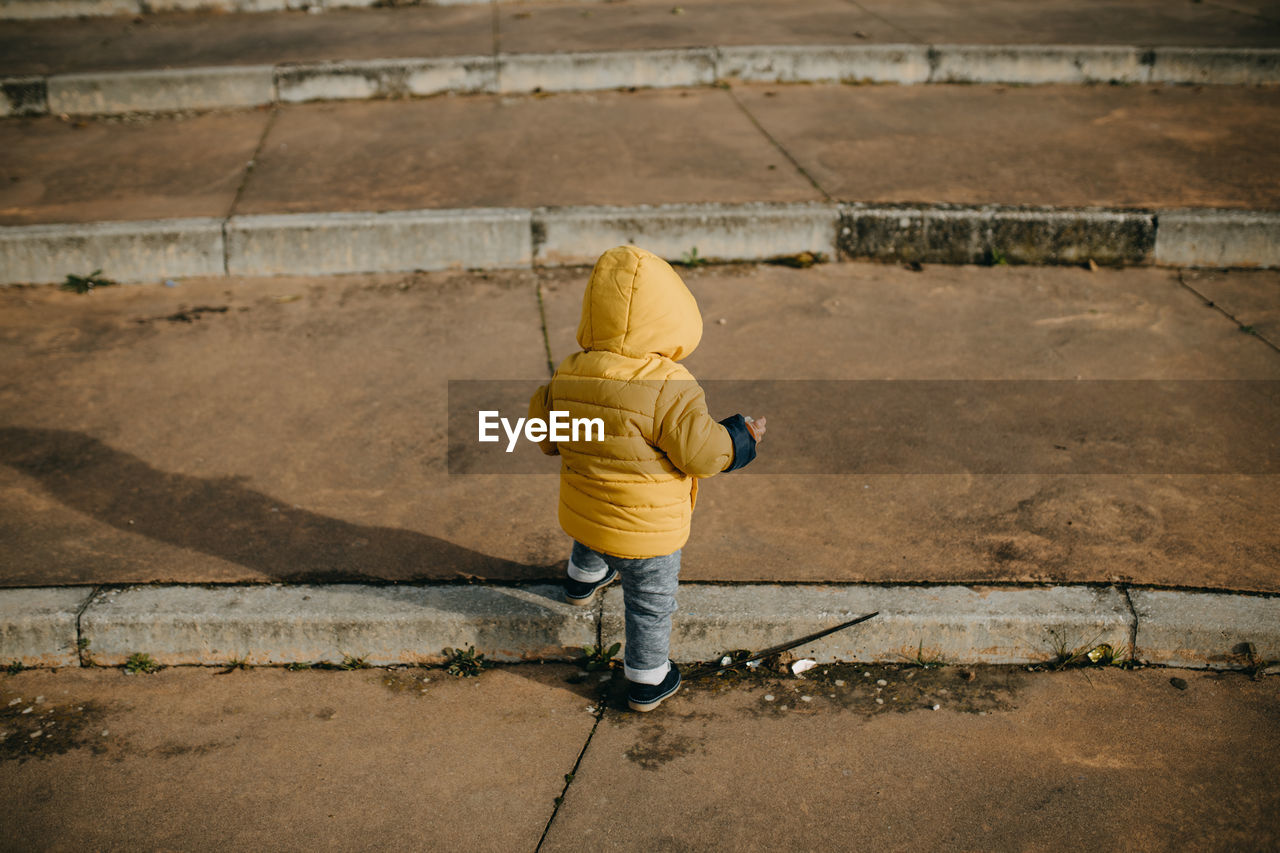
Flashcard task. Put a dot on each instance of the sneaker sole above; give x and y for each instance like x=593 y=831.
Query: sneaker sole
x=645 y=708
x=583 y=602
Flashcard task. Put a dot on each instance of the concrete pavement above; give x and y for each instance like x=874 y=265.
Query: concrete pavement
x=402 y=759
x=295 y=429
x=770 y=171
x=176 y=40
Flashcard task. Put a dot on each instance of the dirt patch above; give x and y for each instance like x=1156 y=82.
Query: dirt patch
x=656 y=746
x=32 y=727
x=872 y=689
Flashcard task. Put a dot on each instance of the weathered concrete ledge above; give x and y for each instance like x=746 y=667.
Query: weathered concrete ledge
x=873 y=63
x=330 y=243
x=381 y=625
x=728 y=232
x=18 y=10
x=942 y=623
x=1218 y=238
x=124 y=251
x=167 y=90
x=38 y=626
x=386 y=78
x=325 y=623
x=947 y=234
x=1205 y=630
x=499 y=238
x=241 y=86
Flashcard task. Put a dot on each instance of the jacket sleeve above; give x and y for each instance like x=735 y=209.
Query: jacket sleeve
x=686 y=432
x=540 y=407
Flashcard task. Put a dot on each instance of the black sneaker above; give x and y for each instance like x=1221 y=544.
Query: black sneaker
x=646 y=697
x=581 y=593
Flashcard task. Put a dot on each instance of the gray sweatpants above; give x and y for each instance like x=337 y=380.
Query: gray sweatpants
x=649 y=595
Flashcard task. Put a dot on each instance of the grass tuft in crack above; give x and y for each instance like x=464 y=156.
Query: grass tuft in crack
x=464 y=664
x=140 y=663
x=86 y=283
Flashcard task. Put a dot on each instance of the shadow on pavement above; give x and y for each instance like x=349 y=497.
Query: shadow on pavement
x=224 y=519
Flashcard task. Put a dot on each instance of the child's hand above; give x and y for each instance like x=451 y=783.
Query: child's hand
x=756 y=426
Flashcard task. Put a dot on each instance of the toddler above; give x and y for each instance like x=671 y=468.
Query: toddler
x=627 y=500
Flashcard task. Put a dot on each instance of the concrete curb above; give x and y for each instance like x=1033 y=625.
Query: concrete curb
x=324 y=624
x=958 y=624
x=955 y=624
x=1216 y=238
x=125 y=251
x=498 y=238
x=739 y=232
x=329 y=243
x=241 y=86
x=945 y=234
x=25 y=10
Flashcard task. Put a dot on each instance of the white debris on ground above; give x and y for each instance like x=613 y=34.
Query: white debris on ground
x=803 y=665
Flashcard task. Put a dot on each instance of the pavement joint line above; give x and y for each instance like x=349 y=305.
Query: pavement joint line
x=249 y=167
x=795 y=164
x=1209 y=303
x=219 y=87
x=571 y=776
x=82 y=649
x=505 y=238
x=1133 y=624
x=272 y=624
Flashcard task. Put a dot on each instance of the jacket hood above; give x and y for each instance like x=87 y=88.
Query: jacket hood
x=636 y=305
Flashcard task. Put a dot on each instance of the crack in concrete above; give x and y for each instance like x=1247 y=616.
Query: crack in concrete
x=546 y=338
x=1182 y=280
x=1133 y=625
x=253 y=161
x=82 y=651
x=776 y=144
x=570 y=776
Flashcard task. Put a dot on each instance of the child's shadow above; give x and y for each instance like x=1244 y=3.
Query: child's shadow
x=223 y=518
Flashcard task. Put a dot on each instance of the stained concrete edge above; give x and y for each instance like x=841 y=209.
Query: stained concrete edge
x=38 y=625
x=951 y=624
x=380 y=625
x=334 y=243
x=728 y=232
x=1217 y=238
x=161 y=90
x=384 y=625
x=26 y=10
x=503 y=238
x=1200 y=630
x=125 y=251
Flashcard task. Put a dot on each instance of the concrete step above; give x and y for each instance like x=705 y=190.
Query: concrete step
x=202 y=61
x=263 y=625
x=296 y=429
x=960 y=174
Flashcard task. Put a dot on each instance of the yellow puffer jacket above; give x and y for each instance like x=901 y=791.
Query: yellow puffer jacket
x=632 y=494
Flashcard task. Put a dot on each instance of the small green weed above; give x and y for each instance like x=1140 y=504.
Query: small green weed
x=691 y=258
x=1090 y=654
x=298 y=666
x=86 y=283
x=236 y=663
x=15 y=667
x=997 y=258
x=1249 y=330
x=140 y=663
x=923 y=661
x=596 y=658
x=465 y=664
x=353 y=662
